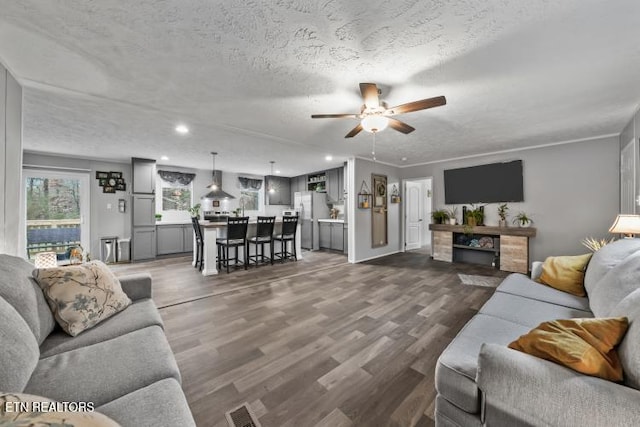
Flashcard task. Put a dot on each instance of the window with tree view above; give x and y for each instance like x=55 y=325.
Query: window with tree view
x=176 y=198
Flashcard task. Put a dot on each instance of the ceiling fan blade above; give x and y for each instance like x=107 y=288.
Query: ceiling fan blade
x=334 y=116
x=356 y=130
x=423 y=104
x=400 y=126
x=370 y=95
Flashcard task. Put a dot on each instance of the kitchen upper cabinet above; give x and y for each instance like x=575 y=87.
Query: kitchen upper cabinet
x=333 y=185
x=144 y=176
x=144 y=243
x=282 y=190
x=144 y=210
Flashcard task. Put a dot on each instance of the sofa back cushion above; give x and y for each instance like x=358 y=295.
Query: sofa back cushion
x=619 y=282
x=19 y=351
x=629 y=348
x=19 y=289
x=607 y=258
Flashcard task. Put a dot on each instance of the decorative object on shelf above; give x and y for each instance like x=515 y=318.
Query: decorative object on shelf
x=629 y=225
x=594 y=244
x=452 y=214
x=158 y=217
x=486 y=242
x=111 y=181
x=475 y=215
x=364 y=196
x=502 y=213
x=524 y=220
x=439 y=216
x=395 y=194
x=333 y=213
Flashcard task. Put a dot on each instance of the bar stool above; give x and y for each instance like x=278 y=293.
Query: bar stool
x=264 y=234
x=236 y=237
x=289 y=227
x=199 y=243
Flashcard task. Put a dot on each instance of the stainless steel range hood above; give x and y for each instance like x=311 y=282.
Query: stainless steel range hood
x=217 y=194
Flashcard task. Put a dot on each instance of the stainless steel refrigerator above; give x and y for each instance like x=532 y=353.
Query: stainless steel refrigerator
x=311 y=206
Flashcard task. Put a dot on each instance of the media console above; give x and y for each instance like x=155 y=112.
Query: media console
x=511 y=244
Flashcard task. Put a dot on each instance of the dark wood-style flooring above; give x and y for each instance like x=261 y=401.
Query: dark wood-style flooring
x=318 y=342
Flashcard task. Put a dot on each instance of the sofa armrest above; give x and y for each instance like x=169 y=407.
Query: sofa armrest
x=136 y=286
x=518 y=386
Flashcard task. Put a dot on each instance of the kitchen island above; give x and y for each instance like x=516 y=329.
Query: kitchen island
x=212 y=230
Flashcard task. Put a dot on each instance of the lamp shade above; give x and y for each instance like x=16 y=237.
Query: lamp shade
x=626 y=224
x=374 y=123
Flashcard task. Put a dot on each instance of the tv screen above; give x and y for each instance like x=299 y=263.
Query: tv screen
x=493 y=183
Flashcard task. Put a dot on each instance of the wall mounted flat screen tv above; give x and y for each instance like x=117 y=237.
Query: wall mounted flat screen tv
x=492 y=183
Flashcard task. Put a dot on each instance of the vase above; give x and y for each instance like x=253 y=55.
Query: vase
x=471 y=221
x=502 y=223
x=452 y=221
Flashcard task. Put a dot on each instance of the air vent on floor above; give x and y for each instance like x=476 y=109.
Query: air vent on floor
x=242 y=416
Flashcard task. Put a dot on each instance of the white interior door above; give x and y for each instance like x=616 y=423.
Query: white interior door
x=414 y=215
x=628 y=178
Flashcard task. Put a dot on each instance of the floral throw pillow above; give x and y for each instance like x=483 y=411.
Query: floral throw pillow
x=81 y=296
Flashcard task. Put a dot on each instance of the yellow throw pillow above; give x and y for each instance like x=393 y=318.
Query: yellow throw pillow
x=565 y=273
x=81 y=296
x=584 y=345
x=26 y=410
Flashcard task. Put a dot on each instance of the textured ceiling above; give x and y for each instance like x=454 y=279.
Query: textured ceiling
x=111 y=79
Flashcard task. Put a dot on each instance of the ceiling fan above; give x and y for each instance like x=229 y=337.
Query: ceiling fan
x=375 y=116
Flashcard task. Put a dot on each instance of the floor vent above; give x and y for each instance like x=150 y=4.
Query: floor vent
x=242 y=416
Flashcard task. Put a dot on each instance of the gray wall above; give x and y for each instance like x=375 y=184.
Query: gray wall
x=11 y=218
x=632 y=131
x=570 y=190
x=361 y=223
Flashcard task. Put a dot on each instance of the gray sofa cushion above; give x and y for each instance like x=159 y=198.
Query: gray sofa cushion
x=159 y=404
x=606 y=258
x=457 y=366
x=619 y=282
x=24 y=294
x=519 y=284
x=138 y=315
x=18 y=349
x=102 y=372
x=449 y=415
x=528 y=312
x=629 y=348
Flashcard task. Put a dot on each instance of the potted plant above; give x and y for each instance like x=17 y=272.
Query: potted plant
x=194 y=211
x=158 y=217
x=439 y=216
x=475 y=215
x=522 y=220
x=237 y=211
x=452 y=214
x=502 y=213
x=595 y=244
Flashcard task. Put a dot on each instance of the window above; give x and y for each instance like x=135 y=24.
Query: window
x=175 y=197
x=250 y=200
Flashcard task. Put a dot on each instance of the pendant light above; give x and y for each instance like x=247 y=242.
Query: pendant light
x=214 y=184
x=215 y=188
x=271 y=189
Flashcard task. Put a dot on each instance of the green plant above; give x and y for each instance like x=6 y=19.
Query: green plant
x=452 y=213
x=475 y=214
x=158 y=217
x=467 y=229
x=594 y=244
x=439 y=216
x=522 y=219
x=502 y=211
x=237 y=211
x=194 y=211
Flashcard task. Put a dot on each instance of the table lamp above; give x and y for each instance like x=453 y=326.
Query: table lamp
x=629 y=225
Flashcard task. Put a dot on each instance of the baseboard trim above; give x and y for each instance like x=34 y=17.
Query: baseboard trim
x=377 y=256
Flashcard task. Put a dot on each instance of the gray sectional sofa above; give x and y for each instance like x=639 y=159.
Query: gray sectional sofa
x=480 y=381
x=123 y=365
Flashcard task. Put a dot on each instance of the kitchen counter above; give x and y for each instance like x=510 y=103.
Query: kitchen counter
x=341 y=221
x=183 y=222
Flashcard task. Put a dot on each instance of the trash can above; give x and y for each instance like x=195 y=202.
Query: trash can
x=124 y=250
x=109 y=249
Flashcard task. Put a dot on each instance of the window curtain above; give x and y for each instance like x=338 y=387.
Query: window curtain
x=177 y=177
x=250 y=183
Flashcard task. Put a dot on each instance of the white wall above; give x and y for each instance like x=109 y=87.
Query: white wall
x=570 y=190
x=11 y=206
x=360 y=219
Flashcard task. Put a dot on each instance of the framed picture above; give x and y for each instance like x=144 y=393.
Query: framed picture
x=216 y=203
x=102 y=175
x=380 y=193
x=102 y=182
x=108 y=189
x=119 y=181
x=116 y=175
x=121 y=187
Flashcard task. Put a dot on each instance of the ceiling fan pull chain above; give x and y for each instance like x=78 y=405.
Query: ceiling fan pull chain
x=373 y=150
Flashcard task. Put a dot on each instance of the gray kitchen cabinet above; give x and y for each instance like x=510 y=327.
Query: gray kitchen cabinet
x=282 y=190
x=174 y=238
x=144 y=210
x=143 y=243
x=325 y=234
x=144 y=176
x=337 y=236
x=341 y=186
x=333 y=185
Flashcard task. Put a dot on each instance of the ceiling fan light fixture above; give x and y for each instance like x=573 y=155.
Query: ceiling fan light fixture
x=374 y=123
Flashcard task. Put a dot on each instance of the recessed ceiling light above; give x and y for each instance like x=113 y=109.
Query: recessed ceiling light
x=404 y=159
x=328 y=158
x=277 y=172
x=182 y=129
x=164 y=158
